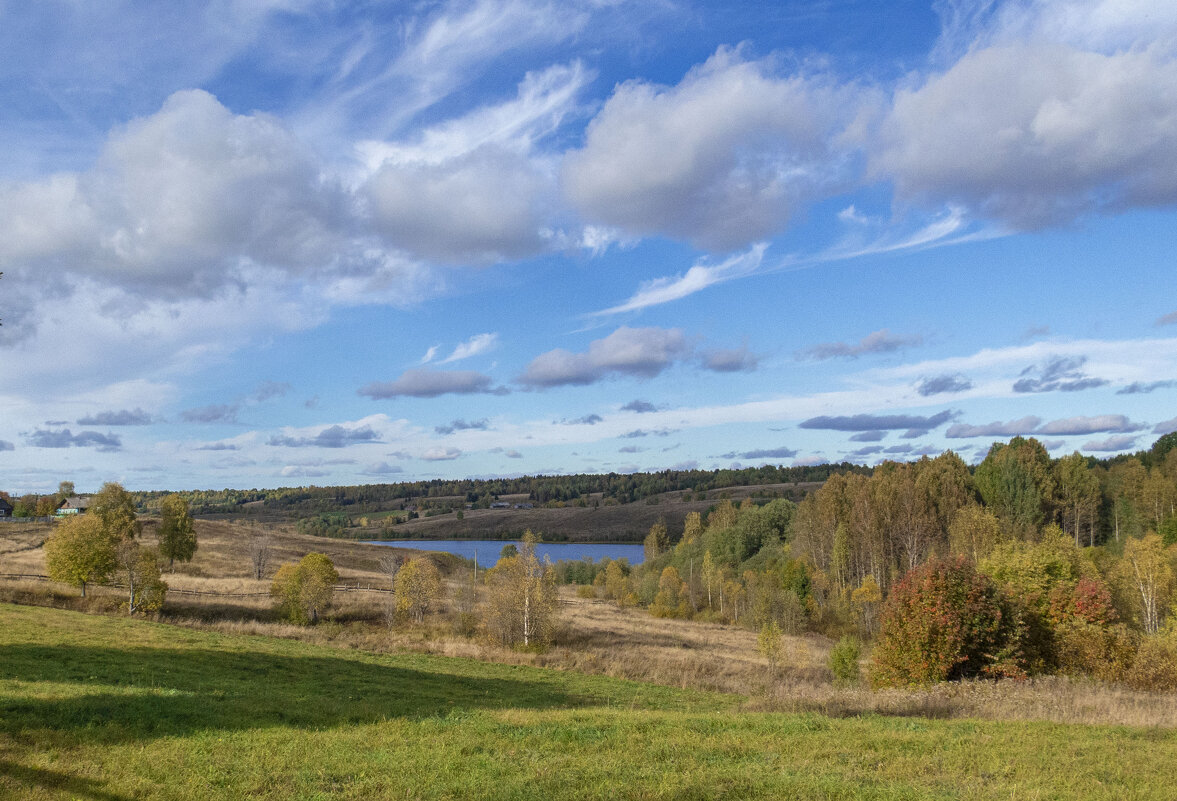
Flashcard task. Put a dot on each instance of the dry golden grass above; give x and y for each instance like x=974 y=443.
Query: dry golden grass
x=594 y=637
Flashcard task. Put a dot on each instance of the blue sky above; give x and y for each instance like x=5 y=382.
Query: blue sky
x=277 y=243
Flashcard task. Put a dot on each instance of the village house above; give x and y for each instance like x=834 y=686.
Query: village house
x=74 y=505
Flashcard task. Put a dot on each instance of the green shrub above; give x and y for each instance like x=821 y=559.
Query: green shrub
x=586 y=591
x=945 y=621
x=844 y=661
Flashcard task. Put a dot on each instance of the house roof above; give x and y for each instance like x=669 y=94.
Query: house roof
x=75 y=502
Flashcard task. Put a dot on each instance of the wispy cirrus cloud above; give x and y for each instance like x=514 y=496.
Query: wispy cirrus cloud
x=700 y=276
x=475 y=345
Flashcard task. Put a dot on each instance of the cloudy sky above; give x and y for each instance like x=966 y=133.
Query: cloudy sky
x=257 y=243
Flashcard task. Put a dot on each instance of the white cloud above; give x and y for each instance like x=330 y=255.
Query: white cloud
x=440 y=454
x=177 y=203
x=1035 y=133
x=721 y=159
x=483 y=207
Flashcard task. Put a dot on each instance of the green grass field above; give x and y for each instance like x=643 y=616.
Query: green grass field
x=101 y=708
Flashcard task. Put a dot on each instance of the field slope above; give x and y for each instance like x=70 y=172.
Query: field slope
x=102 y=708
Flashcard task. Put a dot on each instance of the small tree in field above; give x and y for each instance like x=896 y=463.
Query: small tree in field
x=304 y=590
x=770 y=645
x=138 y=567
x=418 y=585
x=80 y=552
x=177 y=532
x=259 y=553
x=114 y=506
x=945 y=621
x=522 y=598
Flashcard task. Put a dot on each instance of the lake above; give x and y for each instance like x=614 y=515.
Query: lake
x=487 y=551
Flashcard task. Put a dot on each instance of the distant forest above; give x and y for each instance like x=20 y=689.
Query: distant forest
x=582 y=489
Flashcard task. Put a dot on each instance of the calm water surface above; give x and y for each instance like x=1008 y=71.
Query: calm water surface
x=487 y=551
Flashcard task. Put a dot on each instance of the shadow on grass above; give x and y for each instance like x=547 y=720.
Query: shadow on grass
x=50 y=779
x=145 y=693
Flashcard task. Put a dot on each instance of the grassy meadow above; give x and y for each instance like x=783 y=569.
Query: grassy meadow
x=96 y=707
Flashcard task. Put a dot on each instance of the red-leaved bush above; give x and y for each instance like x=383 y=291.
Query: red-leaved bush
x=945 y=621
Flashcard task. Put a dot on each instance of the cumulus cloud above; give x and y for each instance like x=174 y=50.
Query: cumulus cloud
x=868 y=436
x=123 y=417
x=42 y=438
x=938 y=385
x=217 y=446
x=639 y=407
x=331 y=437
x=177 y=201
x=215 y=413
x=637 y=433
x=1035 y=132
x=722 y=159
x=1111 y=444
x=480 y=207
x=1107 y=423
x=640 y=352
x=5 y=445
x=729 y=361
x=1060 y=374
x=463 y=425
x=513 y=454
x=882 y=341
x=1014 y=428
x=868 y=450
x=475 y=345
x=432 y=383
x=440 y=454
x=872 y=422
